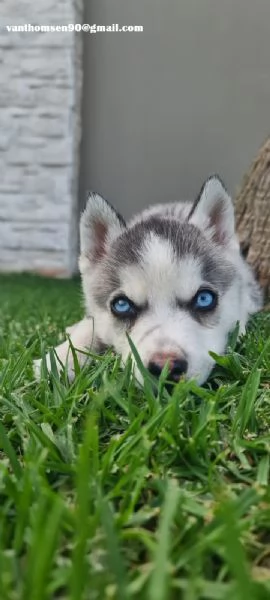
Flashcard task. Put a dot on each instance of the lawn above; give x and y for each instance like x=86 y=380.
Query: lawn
x=111 y=492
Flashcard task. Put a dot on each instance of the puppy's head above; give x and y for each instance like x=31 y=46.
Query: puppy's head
x=173 y=286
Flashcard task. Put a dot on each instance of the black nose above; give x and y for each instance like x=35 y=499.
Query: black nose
x=178 y=367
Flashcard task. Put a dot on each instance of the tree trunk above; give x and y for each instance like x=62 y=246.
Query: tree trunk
x=252 y=210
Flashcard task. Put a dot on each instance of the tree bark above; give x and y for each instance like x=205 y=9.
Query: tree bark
x=252 y=211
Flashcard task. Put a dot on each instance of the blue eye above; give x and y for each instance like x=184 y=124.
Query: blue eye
x=205 y=300
x=123 y=307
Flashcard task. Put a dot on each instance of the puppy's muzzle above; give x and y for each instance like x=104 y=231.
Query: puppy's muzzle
x=177 y=365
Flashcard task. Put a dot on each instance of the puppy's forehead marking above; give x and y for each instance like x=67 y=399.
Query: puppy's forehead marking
x=160 y=260
x=170 y=275
x=157 y=254
x=182 y=238
x=160 y=275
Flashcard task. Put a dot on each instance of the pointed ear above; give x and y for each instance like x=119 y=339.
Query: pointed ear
x=99 y=225
x=213 y=212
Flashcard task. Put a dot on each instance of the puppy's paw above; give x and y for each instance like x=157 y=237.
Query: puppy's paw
x=81 y=335
x=37 y=367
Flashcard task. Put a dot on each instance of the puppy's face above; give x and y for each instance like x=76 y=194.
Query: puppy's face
x=169 y=285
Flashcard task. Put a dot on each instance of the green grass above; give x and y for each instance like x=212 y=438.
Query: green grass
x=110 y=492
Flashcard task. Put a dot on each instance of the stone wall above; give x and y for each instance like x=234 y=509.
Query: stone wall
x=40 y=105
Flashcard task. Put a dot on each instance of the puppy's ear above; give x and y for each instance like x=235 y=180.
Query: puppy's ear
x=213 y=212
x=99 y=225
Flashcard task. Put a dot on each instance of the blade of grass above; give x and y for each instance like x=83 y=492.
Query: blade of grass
x=45 y=533
x=115 y=558
x=158 y=587
x=85 y=481
x=246 y=404
x=234 y=551
x=263 y=471
x=10 y=452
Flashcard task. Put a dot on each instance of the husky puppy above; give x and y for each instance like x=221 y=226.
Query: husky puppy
x=172 y=278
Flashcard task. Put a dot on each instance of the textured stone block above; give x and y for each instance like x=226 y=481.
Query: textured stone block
x=40 y=101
